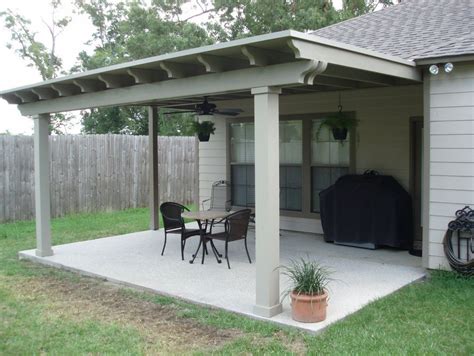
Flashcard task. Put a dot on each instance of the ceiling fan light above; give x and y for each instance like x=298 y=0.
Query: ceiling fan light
x=205 y=117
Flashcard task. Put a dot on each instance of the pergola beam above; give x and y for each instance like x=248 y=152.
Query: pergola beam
x=116 y=81
x=27 y=96
x=45 y=93
x=359 y=76
x=285 y=74
x=12 y=98
x=66 y=89
x=89 y=85
x=336 y=82
x=179 y=70
x=143 y=76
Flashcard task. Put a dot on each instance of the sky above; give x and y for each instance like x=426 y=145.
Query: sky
x=14 y=71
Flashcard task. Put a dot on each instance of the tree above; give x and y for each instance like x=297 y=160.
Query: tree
x=242 y=18
x=38 y=55
x=353 y=8
x=129 y=31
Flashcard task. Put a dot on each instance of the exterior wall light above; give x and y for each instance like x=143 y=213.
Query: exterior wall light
x=448 y=67
x=434 y=69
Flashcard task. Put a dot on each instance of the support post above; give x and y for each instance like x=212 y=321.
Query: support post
x=153 y=164
x=42 y=195
x=267 y=202
x=425 y=194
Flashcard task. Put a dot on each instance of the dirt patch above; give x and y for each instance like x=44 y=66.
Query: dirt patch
x=160 y=325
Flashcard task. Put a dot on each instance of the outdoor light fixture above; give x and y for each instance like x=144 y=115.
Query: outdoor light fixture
x=434 y=69
x=448 y=67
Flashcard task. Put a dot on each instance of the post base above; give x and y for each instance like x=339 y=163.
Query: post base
x=267 y=312
x=44 y=253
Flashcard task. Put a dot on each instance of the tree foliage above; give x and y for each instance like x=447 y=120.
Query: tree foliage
x=242 y=18
x=129 y=31
x=42 y=57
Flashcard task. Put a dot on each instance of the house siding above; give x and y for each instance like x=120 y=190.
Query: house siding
x=382 y=139
x=451 y=152
x=213 y=159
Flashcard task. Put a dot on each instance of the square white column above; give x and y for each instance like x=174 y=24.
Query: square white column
x=42 y=195
x=153 y=167
x=267 y=201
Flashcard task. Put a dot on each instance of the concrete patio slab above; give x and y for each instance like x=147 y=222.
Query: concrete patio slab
x=360 y=276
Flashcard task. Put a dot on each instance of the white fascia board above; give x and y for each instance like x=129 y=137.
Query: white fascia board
x=330 y=43
x=346 y=58
x=445 y=59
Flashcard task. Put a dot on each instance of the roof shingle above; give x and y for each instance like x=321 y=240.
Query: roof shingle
x=413 y=29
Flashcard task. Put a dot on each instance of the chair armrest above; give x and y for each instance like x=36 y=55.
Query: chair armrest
x=204 y=201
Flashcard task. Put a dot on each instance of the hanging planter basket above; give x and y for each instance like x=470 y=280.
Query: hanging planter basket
x=204 y=137
x=204 y=130
x=339 y=124
x=339 y=134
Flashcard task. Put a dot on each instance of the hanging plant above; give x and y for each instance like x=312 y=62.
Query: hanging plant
x=204 y=130
x=340 y=124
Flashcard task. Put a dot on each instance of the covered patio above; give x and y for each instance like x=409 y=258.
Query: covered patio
x=258 y=70
x=360 y=275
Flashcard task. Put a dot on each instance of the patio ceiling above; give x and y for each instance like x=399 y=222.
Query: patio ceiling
x=294 y=61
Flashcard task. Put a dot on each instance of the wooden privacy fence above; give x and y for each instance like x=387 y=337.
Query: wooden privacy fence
x=94 y=173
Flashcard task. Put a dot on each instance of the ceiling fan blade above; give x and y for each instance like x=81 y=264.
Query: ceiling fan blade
x=178 y=112
x=228 y=112
x=233 y=109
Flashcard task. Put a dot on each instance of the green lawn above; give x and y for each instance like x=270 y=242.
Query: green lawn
x=43 y=310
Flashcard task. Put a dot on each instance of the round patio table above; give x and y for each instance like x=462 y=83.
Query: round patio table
x=205 y=216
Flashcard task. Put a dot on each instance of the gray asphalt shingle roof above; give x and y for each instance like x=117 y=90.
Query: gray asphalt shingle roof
x=412 y=29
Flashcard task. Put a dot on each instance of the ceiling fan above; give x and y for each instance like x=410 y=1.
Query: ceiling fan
x=207 y=108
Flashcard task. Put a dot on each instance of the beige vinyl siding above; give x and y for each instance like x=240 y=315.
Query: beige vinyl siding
x=382 y=139
x=451 y=186
x=213 y=159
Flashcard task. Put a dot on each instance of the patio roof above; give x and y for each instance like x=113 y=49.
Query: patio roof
x=287 y=59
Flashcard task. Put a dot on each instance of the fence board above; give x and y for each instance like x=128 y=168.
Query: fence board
x=94 y=173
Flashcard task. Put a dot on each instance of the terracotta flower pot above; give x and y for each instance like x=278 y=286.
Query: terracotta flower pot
x=308 y=308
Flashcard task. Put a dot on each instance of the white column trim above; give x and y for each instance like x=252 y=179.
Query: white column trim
x=42 y=189
x=267 y=201
x=153 y=167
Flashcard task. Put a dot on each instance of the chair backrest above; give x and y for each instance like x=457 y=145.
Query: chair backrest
x=220 y=196
x=237 y=224
x=171 y=213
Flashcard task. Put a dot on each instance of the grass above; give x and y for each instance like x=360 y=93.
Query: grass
x=44 y=310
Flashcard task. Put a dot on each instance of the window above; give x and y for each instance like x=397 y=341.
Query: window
x=243 y=159
x=291 y=160
x=242 y=164
x=330 y=159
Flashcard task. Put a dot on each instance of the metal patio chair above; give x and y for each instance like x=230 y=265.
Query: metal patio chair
x=220 y=197
x=236 y=227
x=174 y=224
